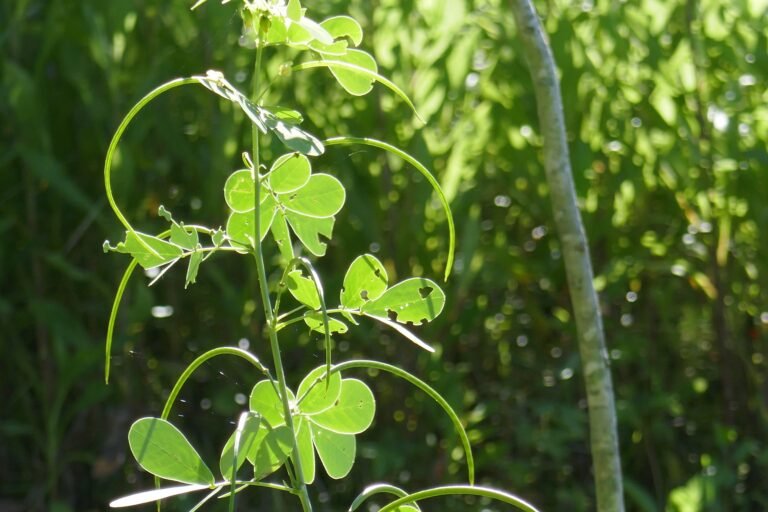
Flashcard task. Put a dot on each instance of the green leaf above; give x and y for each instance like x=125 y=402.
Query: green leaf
x=161 y=449
x=303 y=289
x=292 y=136
x=315 y=30
x=344 y=26
x=165 y=252
x=289 y=173
x=182 y=237
x=314 y=321
x=282 y=237
x=240 y=191
x=277 y=32
x=333 y=50
x=194 y=266
x=336 y=451
x=140 y=498
x=240 y=226
x=309 y=229
x=318 y=395
x=265 y=401
x=365 y=280
x=352 y=412
x=249 y=436
x=416 y=300
x=294 y=10
x=322 y=196
x=217 y=238
x=273 y=452
x=286 y=114
x=354 y=82
x=306 y=452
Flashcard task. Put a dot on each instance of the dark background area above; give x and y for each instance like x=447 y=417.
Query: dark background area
x=667 y=121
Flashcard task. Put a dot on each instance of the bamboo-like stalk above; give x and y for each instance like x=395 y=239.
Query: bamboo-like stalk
x=575 y=249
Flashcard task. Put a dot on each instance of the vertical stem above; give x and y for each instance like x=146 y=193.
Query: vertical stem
x=265 y=300
x=589 y=328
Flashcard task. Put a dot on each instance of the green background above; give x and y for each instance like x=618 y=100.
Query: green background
x=667 y=118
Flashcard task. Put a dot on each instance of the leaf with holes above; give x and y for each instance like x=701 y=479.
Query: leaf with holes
x=194 y=266
x=336 y=451
x=315 y=393
x=161 y=449
x=165 y=252
x=344 y=26
x=184 y=238
x=352 y=412
x=322 y=196
x=314 y=321
x=309 y=230
x=365 y=280
x=417 y=300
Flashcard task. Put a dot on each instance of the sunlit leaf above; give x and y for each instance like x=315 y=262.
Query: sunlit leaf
x=365 y=280
x=336 y=451
x=309 y=230
x=315 y=30
x=352 y=412
x=322 y=196
x=273 y=452
x=344 y=26
x=240 y=191
x=286 y=114
x=265 y=401
x=165 y=252
x=282 y=237
x=315 y=322
x=194 y=266
x=292 y=136
x=182 y=237
x=318 y=395
x=355 y=83
x=249 y=439
x=141 y=498
x=161 y=449
x=417 y=300
x=306 y=451
x=240 y=226
x=289 y=173
x=303 y=289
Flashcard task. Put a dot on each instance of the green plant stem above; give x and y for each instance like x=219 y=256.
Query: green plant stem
x=589 y=326
x=460 y=490
x=299 y=483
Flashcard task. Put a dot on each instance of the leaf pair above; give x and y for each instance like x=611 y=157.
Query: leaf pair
x=327 y=415
x=290 y=196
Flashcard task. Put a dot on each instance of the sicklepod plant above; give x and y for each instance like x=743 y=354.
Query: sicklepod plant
x=287 y=202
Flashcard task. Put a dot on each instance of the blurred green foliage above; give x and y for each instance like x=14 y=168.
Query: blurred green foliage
x=668 y=124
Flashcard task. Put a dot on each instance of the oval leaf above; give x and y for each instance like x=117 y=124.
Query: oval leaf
x=309 y=229
x=265 y=401
x=365 y=280
x=161 y=449
x=356 y=84
x=336 y=451
x=289 y=173
x=322 y=196
x=303 y=289
x=415 y=300
x=352 y=412
x=249 y=436
x=314 y=321
x=344 y=26
x=273 y=452
x=240 y=190
x=318 y=395
x=306 y=452
x=240 y=226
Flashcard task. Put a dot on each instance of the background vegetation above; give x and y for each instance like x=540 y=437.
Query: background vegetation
x=668 y=123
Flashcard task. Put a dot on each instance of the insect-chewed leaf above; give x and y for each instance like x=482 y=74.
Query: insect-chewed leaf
x=250 y=438
x=314 y=321
x=318 y=395
x=306 y=452
x=161 y=449
x=240 y=227
x=344 y=26
x=282 y=237
x=273 y=452
x=165 y=252
x=336 y=451
x=265 y=401
x=286 y=114
x=182 y=237
x=292 y=136
x=365 y=280
x=289 y=173
x=336 y=49
x=355 y=83
x=309 y=229
x=322 y=196
x=415 y=300
x=194 y=265
x=352 y=412
x=303 y=289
